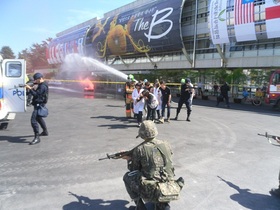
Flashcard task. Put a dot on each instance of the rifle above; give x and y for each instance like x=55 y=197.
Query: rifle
x=269 y=137
x=30 y=83
x=119 y=155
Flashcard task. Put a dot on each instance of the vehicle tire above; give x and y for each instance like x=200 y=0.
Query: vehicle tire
x=3 y=126
x=277 y=105
x=257 y=101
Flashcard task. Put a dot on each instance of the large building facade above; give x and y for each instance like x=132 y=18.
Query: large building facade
x=178 y=34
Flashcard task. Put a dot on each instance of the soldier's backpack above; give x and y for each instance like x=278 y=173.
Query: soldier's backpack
x=159 y=185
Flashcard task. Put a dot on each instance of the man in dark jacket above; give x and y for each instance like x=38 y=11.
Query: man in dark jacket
x=224 y=94
x=40 y=98
x=186 y=97
x=166 y=101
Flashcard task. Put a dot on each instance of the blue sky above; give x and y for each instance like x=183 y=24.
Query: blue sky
x=24 y=22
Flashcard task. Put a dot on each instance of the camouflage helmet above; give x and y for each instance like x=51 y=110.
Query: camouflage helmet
x=147 y=130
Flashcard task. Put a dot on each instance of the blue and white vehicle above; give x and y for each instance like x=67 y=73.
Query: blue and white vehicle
x=12 y=90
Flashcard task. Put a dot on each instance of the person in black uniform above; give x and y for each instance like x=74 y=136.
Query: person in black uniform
x=224 y=94
x=40 y=97
x=186 y=97
x=166 y=101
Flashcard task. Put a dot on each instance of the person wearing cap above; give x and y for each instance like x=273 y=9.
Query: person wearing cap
x=40 y=98
x=186 y=97
x=149 y=162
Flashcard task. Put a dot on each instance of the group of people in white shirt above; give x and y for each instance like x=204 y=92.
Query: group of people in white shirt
x=147 y=101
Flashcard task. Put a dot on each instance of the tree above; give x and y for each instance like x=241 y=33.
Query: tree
x=7 y=53
x=35 y=56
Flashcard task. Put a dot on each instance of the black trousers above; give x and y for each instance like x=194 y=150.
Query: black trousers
x=188 y=104
x=36 y=121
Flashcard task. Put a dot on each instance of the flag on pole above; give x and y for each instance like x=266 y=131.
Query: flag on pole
x=244 y=21
x=272 y=16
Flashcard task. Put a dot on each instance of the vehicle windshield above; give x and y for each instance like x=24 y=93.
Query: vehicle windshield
x=276 y=79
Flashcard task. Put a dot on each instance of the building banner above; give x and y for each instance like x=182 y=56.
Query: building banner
x=244 y=20
x=218 y=23
x=151 y=28
x=65 y=45
x=272 y=16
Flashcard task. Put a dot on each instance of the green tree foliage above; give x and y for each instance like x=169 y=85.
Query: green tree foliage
x=237 y=77
x=7 y=53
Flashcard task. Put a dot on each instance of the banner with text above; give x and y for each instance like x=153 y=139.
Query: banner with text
x=218 y=23
x=152 y=28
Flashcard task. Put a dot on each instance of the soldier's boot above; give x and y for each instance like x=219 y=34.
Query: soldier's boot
x=188 y=118
x=177 y=113
x=181 y=182
x=36 y=139
x=44 y=133
x=140 y=204
x=162 y=206
x=275 y=191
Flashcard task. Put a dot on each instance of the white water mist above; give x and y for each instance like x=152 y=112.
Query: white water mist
x=76 y=63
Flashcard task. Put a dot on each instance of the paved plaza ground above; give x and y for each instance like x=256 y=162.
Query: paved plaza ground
x=225 y=164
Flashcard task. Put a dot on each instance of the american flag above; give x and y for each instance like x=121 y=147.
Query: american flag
x=244 y=11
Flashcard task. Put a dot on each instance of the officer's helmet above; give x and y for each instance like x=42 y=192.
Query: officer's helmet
x=130 y=77
x=147 y=130
x=188 y=80
x=37 y=75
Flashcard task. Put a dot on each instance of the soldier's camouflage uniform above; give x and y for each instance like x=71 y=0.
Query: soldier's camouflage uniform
x=150 y=161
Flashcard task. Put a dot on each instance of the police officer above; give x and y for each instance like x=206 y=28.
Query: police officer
x=40 y=98
x=150 y=161
x=186 y=97
x=225 y=88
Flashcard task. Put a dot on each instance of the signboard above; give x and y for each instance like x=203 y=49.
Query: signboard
x=152 y=28
x=218 y=23
x=64 y=45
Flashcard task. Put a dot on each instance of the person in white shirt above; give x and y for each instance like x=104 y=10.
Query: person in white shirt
x=138 y=102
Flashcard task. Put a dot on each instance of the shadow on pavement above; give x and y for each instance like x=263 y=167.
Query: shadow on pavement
x=264 y=109
x=129 y=122
x=254 y=201
x=16 y=139
x=85 y=203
